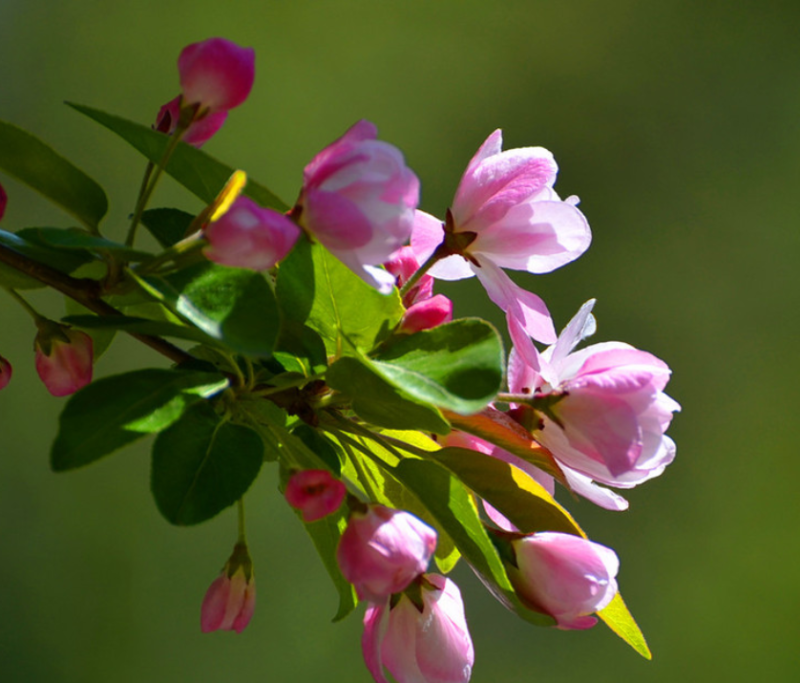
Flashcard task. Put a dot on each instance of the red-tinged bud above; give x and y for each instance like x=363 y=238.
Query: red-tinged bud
x=315 y=493
x=427 y=314
x=5 y=372
x=198 y=133
x=249 y=236
x=63 y=358
x=216 y=74
x=3 y=201
x=230 y=600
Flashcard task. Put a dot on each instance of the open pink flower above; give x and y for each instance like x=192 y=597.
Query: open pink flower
x=250 y=236
x=506 y=215
x=426 y=643
x=315 y=493
x=216 y=74
x=382 y=550
x=5 y=372
x=358 y=199
x=564 y=576
x=63 y=358
x=230 y=600
x=606 y=410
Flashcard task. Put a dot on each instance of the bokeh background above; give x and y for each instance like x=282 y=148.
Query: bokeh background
x=677 y=124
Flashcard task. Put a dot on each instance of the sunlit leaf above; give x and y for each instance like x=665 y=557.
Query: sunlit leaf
x=620 y=620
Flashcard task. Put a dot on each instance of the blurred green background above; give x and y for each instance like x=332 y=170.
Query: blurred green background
x=677 y=124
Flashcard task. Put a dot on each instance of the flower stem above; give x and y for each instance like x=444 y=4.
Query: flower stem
x=424 y=268
x=28 y=308
x=242 y=528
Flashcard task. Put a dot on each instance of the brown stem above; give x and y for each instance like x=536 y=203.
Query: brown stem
x=87 y=293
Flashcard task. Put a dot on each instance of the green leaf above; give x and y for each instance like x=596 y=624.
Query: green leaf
x=114 y=411
x=232 y=305
x=25 y=242
x=198 y=172
x=315 y=288
x=101 y=338
x=525 y=503
x=136 y=325
x=377 y=401
x=168 y=226
x=458 y=366
x=32 y=162
x=453 y=508
x=621 y=622
x=203 y=464
x=300 y=349
x=325 y=534
x=322 y=446
x=78 y=239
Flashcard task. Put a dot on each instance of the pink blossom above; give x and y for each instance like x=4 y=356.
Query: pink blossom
x=199 y=131
x=506 y=215
x=420 y=643
x=403 y=264
x=216 y=74
x=230 y=600
x=63 y=358
x=358 y=199
x=249 y=236
x=315 y=493
x=5 y=372
x=382 y=550
x=564 y=576
x=3 y=201
x=606 y=411
x=427 y=314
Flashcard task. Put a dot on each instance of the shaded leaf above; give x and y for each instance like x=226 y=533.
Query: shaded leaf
x=77 y=239
x=168 y=226
x=202 y=464
x=196 y=170
x=136 y=325
x=114 y=411
x=34 y=163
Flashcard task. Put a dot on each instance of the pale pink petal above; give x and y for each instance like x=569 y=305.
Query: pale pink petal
x=599 y=495
x=216 y=73
x=527 y=308
x=376 y=621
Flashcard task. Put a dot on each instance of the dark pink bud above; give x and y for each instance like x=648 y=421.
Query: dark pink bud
x=315 y=493
x=3 y=201
x=427 y=314
x=5 y=372
x=216 y=74
x=403 y=264
x=230 y=601
x=199 y=131
x=63 y=358
x=249 y=236
x=382 y=550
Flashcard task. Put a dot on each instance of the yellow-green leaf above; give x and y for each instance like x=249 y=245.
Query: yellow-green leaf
x=620 y=620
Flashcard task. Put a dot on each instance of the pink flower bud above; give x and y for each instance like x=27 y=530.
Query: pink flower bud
x=382 y=550
x=315 y=493
x=249 y=236
x=427 y=314
x=564 y=576
x=63 y=358
x=199 y=131
x=420 y=643
x=5 y=372
x=403 y=264
x=216 y=74
x=231 y=599
x=3 y=201
x=358 y=200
